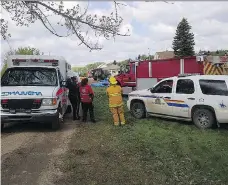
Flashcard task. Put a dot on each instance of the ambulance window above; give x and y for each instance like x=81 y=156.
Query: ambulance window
x=60 y=77
x=164 y=87
x=185 y=86
x=214 y=87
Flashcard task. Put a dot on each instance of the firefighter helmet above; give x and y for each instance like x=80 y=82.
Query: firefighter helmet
x=112 y=80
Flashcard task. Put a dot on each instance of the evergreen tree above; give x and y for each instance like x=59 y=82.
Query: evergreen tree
x=183 y=43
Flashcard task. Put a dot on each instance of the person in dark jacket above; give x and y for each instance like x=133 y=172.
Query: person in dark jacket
x=87 y=95
x=74 y=96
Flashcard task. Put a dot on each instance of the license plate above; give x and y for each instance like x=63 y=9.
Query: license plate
x=24 y=110
x=12 y=111
x=28 y=111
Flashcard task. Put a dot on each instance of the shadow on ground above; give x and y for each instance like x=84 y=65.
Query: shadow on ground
x=32 y=127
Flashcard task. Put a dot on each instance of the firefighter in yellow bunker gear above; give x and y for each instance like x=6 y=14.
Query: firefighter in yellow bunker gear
x=114 y=93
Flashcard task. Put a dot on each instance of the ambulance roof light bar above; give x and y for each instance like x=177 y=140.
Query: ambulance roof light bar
x=17 y=62
x=188 y=74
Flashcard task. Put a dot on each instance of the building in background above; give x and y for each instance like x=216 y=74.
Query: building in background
x=112 y=68
x=164 y=55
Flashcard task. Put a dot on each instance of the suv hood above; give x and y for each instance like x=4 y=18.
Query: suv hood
x=20 y=92
x=141 y=92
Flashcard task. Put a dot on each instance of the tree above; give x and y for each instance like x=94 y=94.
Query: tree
x=19 y=51
x=27 y=51
x=114 y=62
x=183 y=43
x=81 y=70
x=75 y=22
x=93 y=65
x=219 y=53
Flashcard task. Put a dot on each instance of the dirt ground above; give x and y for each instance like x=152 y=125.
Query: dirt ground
x=30 y=152
x=149 y=152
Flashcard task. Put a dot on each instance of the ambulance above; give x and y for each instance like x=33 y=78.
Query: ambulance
x=33 y=89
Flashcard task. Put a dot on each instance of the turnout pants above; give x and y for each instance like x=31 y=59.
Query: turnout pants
x=118 y=115
x=85 y=108
x=75 y=102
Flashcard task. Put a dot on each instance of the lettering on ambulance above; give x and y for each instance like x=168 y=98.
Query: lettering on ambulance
x=30 y=93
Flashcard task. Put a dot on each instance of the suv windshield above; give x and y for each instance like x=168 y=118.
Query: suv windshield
x=29 y=77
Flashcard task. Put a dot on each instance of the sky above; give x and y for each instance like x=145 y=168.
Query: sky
x=151 y=25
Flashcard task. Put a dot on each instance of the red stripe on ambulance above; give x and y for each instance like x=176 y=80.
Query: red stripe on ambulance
x=59 y=92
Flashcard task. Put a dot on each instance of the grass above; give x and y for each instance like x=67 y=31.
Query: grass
x=148 y=151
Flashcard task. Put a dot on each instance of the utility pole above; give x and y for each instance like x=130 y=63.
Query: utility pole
x=149 y=53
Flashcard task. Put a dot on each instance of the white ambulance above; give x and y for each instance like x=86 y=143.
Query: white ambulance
x=33 y=89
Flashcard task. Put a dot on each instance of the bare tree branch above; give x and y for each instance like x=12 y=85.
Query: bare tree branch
x=25 y=13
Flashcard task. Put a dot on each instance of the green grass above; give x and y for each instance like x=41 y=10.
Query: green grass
x=146 y=151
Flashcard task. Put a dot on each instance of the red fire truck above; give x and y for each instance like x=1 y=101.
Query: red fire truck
x=145 y=74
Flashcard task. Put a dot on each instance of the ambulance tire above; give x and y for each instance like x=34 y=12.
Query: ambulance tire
x=55 y=125
x=203 y=118
x=69 y=110
x=2 y=126
x=140 y=112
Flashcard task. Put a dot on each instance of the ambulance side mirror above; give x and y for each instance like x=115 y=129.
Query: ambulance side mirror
x=63 y=83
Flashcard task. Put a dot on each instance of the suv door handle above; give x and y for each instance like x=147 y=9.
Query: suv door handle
x=191 y=98
x=167 y=97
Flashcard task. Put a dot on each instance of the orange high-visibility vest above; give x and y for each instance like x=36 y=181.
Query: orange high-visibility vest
x=114 y=93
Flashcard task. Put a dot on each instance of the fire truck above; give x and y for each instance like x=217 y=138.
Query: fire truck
x=139 y=75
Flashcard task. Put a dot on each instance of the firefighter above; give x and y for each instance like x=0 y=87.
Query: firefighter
x=74 y=96
x=114 y=93
x=87 y=95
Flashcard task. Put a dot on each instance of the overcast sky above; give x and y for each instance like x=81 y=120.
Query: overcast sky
x=152 y=25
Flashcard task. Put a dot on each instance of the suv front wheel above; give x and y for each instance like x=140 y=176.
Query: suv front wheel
x=138 y=110
x=203 y=118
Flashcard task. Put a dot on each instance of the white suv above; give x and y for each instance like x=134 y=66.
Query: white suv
x=202 y=99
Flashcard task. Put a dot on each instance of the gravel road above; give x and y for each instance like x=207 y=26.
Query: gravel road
x=30 y=153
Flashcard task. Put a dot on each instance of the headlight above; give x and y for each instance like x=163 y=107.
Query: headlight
x=49 y=102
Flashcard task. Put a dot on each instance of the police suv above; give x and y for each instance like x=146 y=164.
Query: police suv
x=33 y=89
x=202 y=99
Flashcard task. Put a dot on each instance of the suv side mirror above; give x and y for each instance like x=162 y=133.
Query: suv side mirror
x=151 y=90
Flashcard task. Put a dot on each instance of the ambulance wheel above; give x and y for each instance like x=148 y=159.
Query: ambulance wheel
x=69 y=110
x=138 y=110
x=2 y=126
x=203 y=118
x=59 y=119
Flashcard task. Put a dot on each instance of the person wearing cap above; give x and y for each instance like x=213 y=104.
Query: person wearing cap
x=114 y=93
x=74 y=96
